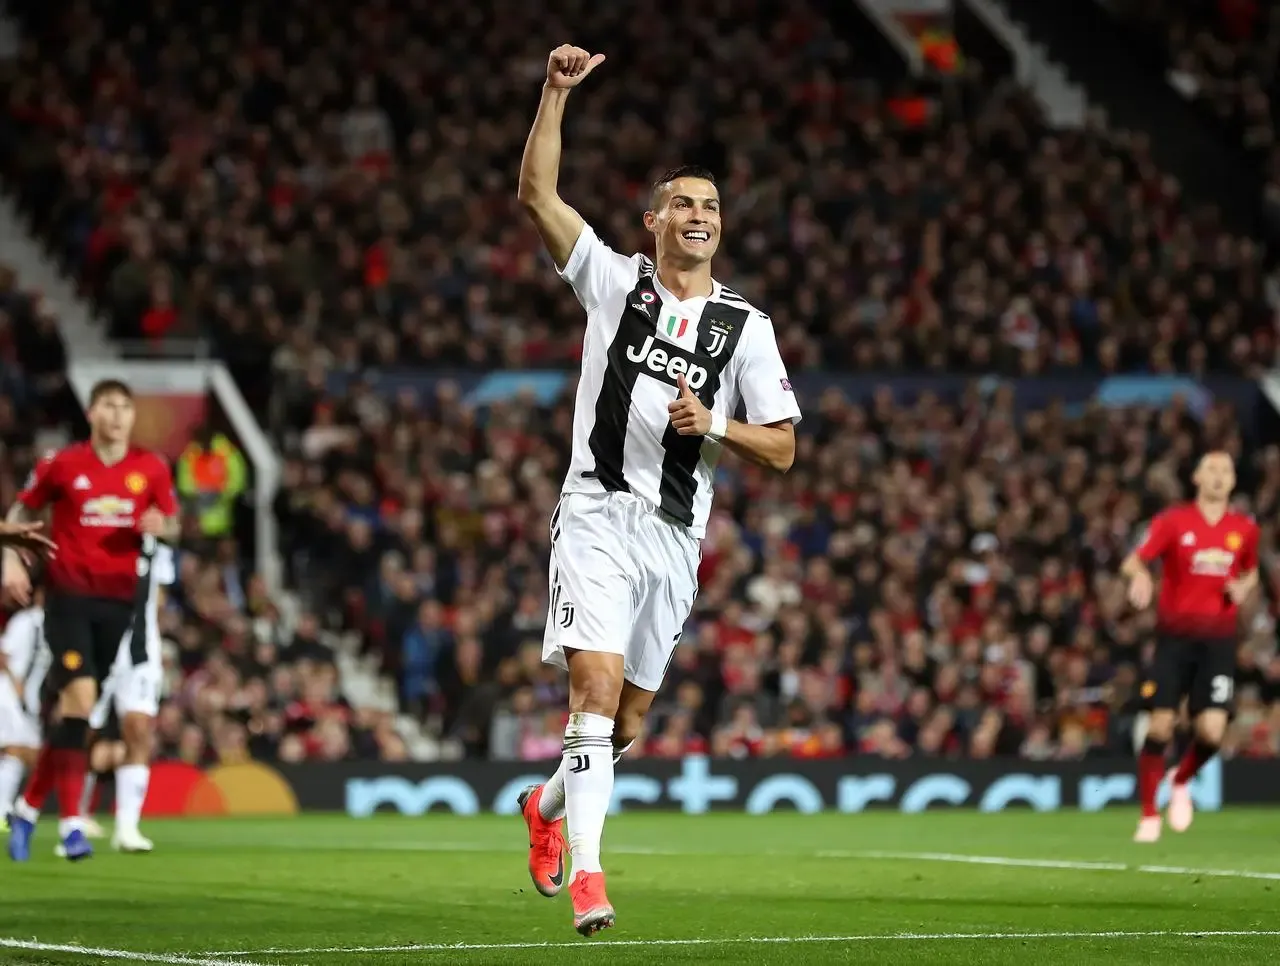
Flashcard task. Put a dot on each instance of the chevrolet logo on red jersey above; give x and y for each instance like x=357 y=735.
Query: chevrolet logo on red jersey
x=1215 y=562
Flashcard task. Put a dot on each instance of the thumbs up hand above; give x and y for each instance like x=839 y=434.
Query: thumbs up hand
x=688 y=415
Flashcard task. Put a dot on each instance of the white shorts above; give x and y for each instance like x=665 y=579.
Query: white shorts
x=130 y=688
x=623 y=579
x=19 y=728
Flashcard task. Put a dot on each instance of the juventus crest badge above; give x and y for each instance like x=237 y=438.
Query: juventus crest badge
x=718 y=337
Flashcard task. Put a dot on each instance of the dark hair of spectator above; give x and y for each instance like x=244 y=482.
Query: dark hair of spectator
x=105 y=387
x=683 y=171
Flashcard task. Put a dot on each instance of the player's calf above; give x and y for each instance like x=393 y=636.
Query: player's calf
x=1210 y=728
x=551 y=799
x=132 y=780
x=1151 y=768
x=595 y=687
x=14 y=763
x=61 y=766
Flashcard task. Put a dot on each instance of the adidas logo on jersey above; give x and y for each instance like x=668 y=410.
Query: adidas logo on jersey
x=81 y=483
x=661 y=361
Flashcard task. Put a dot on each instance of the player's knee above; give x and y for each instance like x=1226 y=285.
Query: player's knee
x=1160 y=727
x=1211 y=728
x=595 y=683
x=102 y=757
x=78 y=698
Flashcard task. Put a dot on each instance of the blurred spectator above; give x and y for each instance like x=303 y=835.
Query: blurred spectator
x=211 y=475
x=305 y=214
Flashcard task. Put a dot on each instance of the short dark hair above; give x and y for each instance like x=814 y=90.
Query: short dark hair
x=104 y=387
x=683 y=171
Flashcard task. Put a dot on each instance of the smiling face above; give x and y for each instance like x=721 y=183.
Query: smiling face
x=685 y=221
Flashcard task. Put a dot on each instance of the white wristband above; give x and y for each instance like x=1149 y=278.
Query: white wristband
x=719 y=426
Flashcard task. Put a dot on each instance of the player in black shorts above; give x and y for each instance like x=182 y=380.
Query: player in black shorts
x=1210 y=567
x=107 y=499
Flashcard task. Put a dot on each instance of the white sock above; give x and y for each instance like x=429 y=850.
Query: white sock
x=68 y=825
x=588 y=785
x=551 y=805
x=11 y=771
x=23 y=810
x=86 y=797
x=131 y=792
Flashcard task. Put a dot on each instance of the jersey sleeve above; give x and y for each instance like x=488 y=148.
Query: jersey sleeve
x=762 y=382
x=1249 y=551
x=42 y=485
x=163 y=495
x=1156 y=540
x=595 y=271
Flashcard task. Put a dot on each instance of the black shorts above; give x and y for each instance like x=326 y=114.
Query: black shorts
x=1200 y=669
x=84 y=635
x=110 y=730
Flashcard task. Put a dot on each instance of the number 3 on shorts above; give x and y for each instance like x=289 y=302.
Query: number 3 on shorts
x=1220 y=688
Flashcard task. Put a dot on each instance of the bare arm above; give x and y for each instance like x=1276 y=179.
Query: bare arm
x=172 y=529
x=557 y=223
x=19 y=515
x=1242 y=588
x=772 y=445
x=1133 y=566
x=156 y=523
x=1141 y=583
x=765 y=444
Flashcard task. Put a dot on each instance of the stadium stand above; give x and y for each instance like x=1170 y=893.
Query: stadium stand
x=1223 y=55
x=936 y=574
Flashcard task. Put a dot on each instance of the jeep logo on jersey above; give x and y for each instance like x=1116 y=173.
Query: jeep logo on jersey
x=663 y=362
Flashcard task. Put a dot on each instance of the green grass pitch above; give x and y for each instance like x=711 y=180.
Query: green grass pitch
x=940 y=887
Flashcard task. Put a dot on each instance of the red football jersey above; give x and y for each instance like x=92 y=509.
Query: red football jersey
x=1199 y=559
x=95 y=512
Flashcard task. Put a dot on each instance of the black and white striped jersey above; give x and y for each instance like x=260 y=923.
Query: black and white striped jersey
x=27 y=656
x=639 y=339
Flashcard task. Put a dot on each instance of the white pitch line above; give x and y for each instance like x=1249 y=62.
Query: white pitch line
x=977 y=860
x=766 y=940
x=213 y=959
x=868 y=854
x=1214 y=873
x=1011 y=862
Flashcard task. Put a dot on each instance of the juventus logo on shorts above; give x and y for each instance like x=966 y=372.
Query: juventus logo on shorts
x=566 y=615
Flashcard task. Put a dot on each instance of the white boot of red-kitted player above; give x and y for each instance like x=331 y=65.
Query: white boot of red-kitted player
x=1148 y=829
x=1181 y=809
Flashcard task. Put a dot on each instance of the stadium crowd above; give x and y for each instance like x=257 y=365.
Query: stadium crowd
x=934 y=577
x=1225 y=56
x=240 y=172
